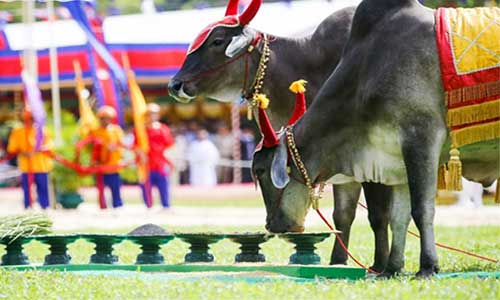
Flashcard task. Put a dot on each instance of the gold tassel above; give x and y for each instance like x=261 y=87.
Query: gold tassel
x=476 y=133
x=454 y=174
x=473 y=113
x=441 y=180
x=262 y=101
x=497 y=192
x=298 y=86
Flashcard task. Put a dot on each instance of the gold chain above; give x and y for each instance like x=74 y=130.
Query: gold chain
x=259 y=77
x=314 y=195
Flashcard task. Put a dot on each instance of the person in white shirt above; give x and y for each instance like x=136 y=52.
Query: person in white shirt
x=202 y=157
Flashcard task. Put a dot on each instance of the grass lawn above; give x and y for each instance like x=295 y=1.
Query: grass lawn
x=59 y=285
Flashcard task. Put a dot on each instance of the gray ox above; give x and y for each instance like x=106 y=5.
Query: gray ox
x=312 y=58
x=379 y=120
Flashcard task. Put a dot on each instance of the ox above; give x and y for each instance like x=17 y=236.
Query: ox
x=211 y=70
x=380 y=120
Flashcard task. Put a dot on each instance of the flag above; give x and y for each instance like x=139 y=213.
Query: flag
x=33 y=101
x=88 y=120
x=106 y=71
x=138 y=114
x=78 y=13
x=139 y=111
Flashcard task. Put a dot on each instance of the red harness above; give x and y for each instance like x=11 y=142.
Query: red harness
x=218 y=68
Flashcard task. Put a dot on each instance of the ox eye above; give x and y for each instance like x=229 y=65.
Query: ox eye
x=217 y=42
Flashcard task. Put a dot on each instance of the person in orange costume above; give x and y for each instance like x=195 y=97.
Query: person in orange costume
x=110 y=153
x=159 y=140
x=22 y=143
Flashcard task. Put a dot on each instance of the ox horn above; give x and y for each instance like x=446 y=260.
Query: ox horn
x=298 y=87
x=249 y=12
x=270 y=137
x=232 y=8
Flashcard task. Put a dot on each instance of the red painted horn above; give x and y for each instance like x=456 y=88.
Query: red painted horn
x=298 y=87
x=249 y=12
x=270 y=137
x=232 y=8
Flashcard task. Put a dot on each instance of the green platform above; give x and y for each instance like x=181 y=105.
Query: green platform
x=298 y=271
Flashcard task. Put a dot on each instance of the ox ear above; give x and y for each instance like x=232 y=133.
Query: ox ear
x=240 y=41
x=279 y=174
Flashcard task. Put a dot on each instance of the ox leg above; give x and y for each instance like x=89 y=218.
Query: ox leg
x=422 y=143
x=378 y=199
x=400 y=219
x=345 y=199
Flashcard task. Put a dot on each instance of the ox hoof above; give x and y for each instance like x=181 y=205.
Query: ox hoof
x=386 y=275
x=427 y=272
x=377 y=268
x=336 y=261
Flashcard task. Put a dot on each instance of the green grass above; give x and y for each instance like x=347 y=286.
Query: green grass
x=59 y=285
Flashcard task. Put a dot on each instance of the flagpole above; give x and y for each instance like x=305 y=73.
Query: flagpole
x=29 y=54
x=54 y=78
x=30 y=64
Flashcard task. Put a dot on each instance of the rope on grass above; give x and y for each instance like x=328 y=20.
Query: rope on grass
x=341 y=243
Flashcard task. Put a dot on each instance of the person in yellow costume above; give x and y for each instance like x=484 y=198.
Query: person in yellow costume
x=110 y=153
x=31 y=161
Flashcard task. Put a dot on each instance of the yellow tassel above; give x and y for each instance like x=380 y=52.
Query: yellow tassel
x=497 y=192
x=298 y=86
x=476 y=133
x=262 y=101
x=454 y=174
x=473 y=113
x=441 y=180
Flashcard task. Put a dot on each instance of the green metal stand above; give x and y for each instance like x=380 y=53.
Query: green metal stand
x=103 y=247
x=200 y=244
x=150 y=246
x=14 y=251
x=304 y=246
x=330 y=272
x=249 y=246
x=58 y=248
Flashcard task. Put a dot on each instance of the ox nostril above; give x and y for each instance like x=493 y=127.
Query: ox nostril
x=175 y=85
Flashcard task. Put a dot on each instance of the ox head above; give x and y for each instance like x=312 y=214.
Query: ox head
x=286 y=198
x=212 y=66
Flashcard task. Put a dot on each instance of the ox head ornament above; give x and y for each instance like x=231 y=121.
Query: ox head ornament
x=271 y=169
x=215 y=60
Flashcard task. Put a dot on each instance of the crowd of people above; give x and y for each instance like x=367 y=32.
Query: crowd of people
x=185 y=153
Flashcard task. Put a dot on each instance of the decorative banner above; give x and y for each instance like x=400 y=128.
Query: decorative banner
x=76 y=9
x=33 y=101
x=104 y=83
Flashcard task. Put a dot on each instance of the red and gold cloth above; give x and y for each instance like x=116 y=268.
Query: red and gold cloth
x=468 y=43
x=469 y=51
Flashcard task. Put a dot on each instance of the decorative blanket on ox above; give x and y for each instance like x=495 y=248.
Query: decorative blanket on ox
x=469 y=51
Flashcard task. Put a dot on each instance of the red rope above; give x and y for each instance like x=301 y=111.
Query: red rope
x=450 y=247
x=87 y=170
x=337 y=236
x=216 y=69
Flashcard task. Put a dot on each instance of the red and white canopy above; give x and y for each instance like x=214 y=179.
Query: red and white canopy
x=156 y=44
